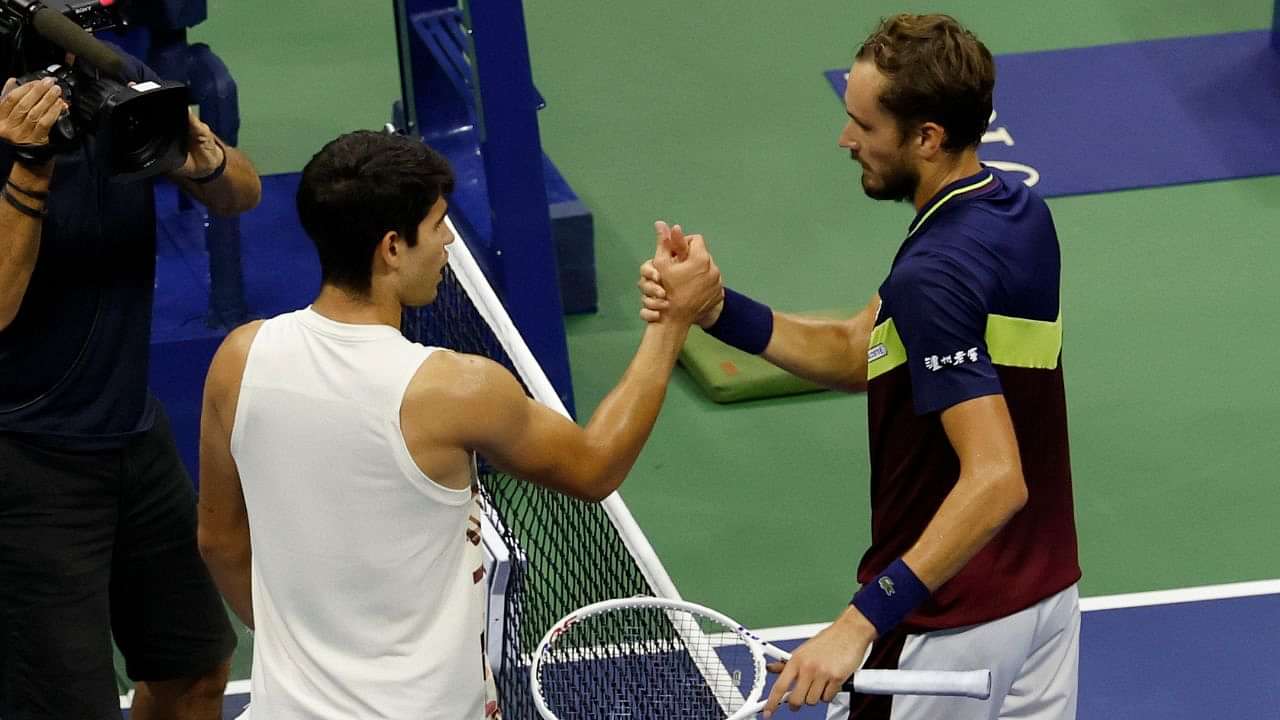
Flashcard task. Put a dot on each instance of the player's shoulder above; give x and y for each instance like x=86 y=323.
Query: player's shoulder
x=459 y=378
x=242 y=336
x=226 y=370
x=937 y=263
x=235 y=346
x=959 y=250
x=1012 y=208
x=927 y=281
x=452 y=367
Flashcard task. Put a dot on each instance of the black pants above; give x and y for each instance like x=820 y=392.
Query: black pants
x=96 y=543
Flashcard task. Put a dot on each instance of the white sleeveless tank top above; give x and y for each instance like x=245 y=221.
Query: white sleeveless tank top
x=368 y=592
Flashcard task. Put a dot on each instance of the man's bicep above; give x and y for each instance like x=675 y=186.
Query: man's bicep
x=941 y=318
x=221 y=503
x=222 y=507
x=981 y=429
x=549 y=449
x=860 y=326
x=519 y=434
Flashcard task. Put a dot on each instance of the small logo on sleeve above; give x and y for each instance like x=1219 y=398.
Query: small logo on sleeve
x=876 y=353
x=960 y=357
x=886 y=584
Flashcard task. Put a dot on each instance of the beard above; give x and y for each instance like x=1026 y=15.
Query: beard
x=898 y=183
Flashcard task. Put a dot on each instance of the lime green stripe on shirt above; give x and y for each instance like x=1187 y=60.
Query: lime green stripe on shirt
x=1019 y=342
x=885 y=351
x=1011 y=341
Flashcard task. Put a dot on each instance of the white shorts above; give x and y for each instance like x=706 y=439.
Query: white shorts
x=1034 y=657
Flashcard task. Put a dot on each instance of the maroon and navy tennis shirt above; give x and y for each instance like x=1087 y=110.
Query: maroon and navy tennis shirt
x=971 y=308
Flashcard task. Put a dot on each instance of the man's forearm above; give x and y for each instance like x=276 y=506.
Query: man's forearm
x=989 y=491
x=827 y=352
x=238 y=190
x=20 y=236
x=622 y=422
x=972 y=513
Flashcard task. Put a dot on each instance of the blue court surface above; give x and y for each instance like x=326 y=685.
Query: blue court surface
x=1135 y=115
x=1189 y=654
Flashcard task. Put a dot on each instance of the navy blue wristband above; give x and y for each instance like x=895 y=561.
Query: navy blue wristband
x=743 y=323
x=891 y=597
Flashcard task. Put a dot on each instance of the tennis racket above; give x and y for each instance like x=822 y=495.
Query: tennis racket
x=647 y=657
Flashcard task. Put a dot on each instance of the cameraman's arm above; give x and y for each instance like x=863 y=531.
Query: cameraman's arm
x=235 y=188
x=20 y=238
x=26 y=114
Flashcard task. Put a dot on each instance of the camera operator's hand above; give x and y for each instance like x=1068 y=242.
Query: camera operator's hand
x=204 y=153
x=215 y=175
x=27 y=112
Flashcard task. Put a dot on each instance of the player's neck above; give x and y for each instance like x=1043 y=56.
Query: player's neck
x=941 y=174
x=346 y=307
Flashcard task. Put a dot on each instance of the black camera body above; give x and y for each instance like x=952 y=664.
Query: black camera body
x=141 y=128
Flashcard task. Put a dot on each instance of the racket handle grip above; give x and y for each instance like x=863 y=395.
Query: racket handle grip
x=968 y=683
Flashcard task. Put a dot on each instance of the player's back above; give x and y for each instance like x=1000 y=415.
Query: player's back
x=367 y=593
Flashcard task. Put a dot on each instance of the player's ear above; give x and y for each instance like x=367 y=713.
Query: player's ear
x=929 y=138
x=387 y=252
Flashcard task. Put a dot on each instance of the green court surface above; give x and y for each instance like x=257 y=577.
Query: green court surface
x=715 y=114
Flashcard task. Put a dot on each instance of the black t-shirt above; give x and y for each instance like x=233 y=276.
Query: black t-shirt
x=73 y=364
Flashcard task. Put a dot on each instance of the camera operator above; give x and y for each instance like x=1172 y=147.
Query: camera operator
x=97 y=514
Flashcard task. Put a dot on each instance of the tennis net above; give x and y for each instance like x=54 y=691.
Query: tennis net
x=549 y=554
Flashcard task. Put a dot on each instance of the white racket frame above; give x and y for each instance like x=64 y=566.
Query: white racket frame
x=963 y=683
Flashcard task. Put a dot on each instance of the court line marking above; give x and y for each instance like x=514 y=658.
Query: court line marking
x=1202 y=593
x=1181 y=595
x=1173 y=596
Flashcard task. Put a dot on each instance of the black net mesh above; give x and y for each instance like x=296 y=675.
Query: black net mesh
x=570 y=553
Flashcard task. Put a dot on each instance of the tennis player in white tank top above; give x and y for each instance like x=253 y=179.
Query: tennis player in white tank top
x=337 y=505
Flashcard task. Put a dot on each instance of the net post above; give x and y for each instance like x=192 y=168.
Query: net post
x=467 y=90
x=406 y=108
x=512 y=152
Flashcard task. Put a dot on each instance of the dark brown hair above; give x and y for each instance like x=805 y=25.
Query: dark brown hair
x=361 y=186
x=938 y=72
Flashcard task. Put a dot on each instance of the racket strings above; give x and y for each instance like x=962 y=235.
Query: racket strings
x=640 y=662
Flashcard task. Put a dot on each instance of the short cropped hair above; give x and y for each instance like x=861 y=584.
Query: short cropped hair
x=938 y=72
x=358 y=188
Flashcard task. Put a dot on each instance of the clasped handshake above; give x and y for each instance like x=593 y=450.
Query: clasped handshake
x=681 y=284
